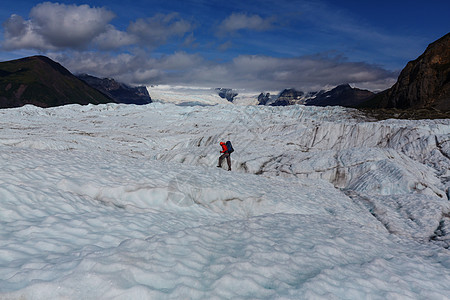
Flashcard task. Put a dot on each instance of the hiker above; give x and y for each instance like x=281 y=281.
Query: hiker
x=227 y=149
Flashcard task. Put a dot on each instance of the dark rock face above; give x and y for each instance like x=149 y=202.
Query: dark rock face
x=289 y=97
x=228 y=94
x=423 y=83
x=120 y=92
x=342 y=95
x=43 y=82
x=263 y=99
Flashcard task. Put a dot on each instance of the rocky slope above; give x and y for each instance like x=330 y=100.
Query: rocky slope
x=289 y=97
x=43 y=82
x=423 y=83
x=342 y=95
x=120 y=92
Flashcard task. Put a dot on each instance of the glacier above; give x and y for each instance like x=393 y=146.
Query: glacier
x=125 y=202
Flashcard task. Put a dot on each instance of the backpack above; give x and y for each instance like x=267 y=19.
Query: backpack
x=229 y=147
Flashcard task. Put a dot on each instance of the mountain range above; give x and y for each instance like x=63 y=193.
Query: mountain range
x=423 y=84
x=120 y=92
x=342 y=95
x=42 y=82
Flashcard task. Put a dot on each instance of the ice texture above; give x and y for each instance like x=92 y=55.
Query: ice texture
x=125 y=202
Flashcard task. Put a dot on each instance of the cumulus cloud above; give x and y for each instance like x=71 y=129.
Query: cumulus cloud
x=258 y=73
x=83 y=40
x=262 y=73
x=54 y=26
x=242 y=21
x=112 y=39
x=20 y=34
x=69 y=25
x=157 y=29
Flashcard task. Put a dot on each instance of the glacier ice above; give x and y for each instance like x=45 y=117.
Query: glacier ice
x=120 y=202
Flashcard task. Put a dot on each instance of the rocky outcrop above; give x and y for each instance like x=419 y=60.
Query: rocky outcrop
x=42 y=82
x=120 y=92
x=228 y=94
x=263 y=98
x=423 y=83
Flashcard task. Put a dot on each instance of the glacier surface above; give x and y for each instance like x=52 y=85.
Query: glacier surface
x=126 y=202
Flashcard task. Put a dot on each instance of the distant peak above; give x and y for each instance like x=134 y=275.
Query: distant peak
x=343 y=86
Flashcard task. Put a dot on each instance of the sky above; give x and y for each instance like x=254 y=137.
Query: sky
x=252 y=45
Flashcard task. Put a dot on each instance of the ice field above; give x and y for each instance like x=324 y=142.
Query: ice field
x=126 y=202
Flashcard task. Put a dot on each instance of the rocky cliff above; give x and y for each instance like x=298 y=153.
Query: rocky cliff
x=120 y=92
x=423 y=83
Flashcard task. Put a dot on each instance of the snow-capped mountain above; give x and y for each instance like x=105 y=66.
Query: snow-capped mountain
x=126 y=202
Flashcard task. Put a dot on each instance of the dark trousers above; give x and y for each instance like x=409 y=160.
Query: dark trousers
x=221 y=158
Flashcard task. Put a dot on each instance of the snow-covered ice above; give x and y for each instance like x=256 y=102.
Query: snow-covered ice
x=185 y=95
x=189 y=95
x=126 y=202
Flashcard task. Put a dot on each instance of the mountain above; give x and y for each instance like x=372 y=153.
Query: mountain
x=342 y=95
x=289 y=97
x=120 y=92
x=423 y=83
x=263 y=98
x=40 y=81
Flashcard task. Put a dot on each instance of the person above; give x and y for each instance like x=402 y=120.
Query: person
x=225 y=154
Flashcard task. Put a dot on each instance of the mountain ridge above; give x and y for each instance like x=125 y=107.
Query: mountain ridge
x=341 y=95
x=423 y=83
x=42 y=82
x=120 y=92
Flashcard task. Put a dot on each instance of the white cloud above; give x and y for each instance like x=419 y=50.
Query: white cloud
x=69 y=25
x=20 y=34
x=258 y=73
x=16 y=26
x=55 y=26
x=180 y=61
x=159 y=28
x=81 y=36
x=241 y=21
x=112 y=38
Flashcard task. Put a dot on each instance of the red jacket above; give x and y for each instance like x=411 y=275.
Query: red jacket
x=224 y=148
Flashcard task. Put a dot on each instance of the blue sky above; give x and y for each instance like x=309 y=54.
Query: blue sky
x=253 y=45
